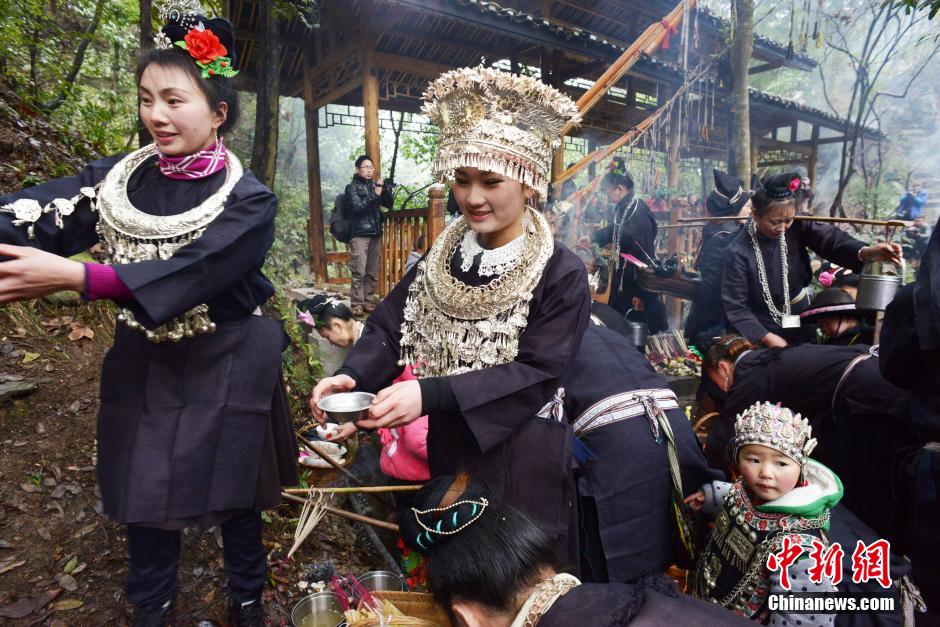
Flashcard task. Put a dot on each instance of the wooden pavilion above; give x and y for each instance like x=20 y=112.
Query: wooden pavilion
x=382 y=54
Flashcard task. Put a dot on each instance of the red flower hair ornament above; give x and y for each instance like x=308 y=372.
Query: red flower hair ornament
x=205 y=48
x=794 y=184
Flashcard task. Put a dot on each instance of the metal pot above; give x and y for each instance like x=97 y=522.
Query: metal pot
x=639 y=330
x=320 y=609
x=876 y=289
x=382 y=581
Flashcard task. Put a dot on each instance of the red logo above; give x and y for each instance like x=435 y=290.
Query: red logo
x=872 y=562
x=827 y=562
x=783 y=559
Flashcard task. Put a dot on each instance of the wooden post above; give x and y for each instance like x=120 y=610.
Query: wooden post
x=672 y=170
x=811 y=162
x=558 y=161
x=315 y=235
x=755 y=158
x=436 y=205
x=370 y=90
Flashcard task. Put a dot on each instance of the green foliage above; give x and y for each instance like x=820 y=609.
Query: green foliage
x=933 y=6
x=38 y=43
x=300 y=366
x=287 y=259
x=420 y=148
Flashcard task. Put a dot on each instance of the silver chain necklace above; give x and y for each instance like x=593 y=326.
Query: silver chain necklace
x=783 y=318
x=630 y=209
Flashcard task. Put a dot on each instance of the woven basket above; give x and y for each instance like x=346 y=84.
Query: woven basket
x=419 y=609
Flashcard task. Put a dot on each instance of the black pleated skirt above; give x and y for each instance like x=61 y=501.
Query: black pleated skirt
x=189 y=431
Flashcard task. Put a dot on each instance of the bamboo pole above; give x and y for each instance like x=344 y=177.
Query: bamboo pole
x=651 y=39
x=342 y=513
x=626 y=138
x=365 y=489
x=332 y=462
x=886 y=223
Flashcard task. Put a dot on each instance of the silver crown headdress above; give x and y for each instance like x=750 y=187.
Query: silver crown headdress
x=775 y=427
x=498 y=122
x=183 y=12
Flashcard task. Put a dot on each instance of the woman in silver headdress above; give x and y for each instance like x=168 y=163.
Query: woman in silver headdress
x=495 y=312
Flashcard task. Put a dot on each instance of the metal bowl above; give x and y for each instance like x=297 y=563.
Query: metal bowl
x=382 y=581
x=347 y=406
x=318 y=610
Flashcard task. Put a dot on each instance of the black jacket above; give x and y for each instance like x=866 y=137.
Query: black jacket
x=361 y=207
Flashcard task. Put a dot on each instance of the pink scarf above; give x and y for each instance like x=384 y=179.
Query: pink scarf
x=195 y=166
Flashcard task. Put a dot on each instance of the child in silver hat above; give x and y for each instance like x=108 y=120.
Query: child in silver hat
x=781 y=498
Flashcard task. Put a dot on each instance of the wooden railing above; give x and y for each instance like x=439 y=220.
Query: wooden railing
x=400 y=233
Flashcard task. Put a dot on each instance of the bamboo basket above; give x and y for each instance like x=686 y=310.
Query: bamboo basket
x=419 y=608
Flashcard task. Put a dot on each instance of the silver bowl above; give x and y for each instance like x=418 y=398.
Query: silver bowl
x=382 y=581
x=321 y=609
x=347 y=406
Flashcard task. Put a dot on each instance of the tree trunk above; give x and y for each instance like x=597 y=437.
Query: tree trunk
x=739 y=129
x=264 y=150
x=146 y=42
x=397 y=133
x=77 y=61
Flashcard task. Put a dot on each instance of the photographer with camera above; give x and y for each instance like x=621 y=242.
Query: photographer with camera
x=362 y=208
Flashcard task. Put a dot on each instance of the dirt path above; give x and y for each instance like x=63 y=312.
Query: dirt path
x=61 y=563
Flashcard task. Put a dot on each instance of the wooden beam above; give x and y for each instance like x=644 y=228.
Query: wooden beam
x=315 y=235
x=775 y=144
x=397 y=63
x=338 y=92
x=328 y=63
x=757 y=69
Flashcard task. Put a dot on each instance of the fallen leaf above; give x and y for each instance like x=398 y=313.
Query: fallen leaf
x=32 y=488
x=80 y=331
x=49 y=482
x=75 y=406
x=67 y=582
x=68 y=604
x=9 y=564
x=27 y=605
x=43 y=533
x=50 y=368
x=210 y=597
x=84 y=531
x=70 y=565
x=29 y=357
x=5 y=545
x=40 y=428
x=59 y=491
x=80 y=568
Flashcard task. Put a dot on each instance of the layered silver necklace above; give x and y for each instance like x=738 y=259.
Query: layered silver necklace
x=783 y=318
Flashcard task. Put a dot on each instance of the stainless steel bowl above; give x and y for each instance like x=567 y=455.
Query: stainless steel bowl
x=320 y=609
x=347 y=406
x=382 y=581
